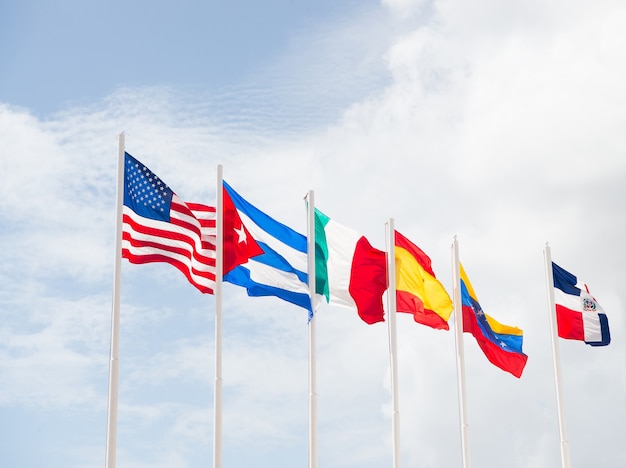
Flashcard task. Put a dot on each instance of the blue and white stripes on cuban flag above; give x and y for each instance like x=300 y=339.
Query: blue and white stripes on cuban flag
x=281 y=270
x=578 y=314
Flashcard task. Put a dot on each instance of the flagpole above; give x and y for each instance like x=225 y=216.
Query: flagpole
x=460 y=353
x=114 y=365
x=556 y=359
x=393 y=347
x=312 y=345
x=219 y=269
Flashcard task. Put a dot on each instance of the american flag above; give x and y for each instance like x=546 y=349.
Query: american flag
x=157 y=226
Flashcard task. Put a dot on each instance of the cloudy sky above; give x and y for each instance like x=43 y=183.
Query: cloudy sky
x=500 y=122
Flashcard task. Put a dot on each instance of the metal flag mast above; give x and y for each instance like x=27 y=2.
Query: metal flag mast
x=114 y=365
x=393 y=346
x=460 y=353
x=219 y=269
x=312 y=354
x=556 y=359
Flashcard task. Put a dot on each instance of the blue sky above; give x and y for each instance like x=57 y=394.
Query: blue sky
x=498 y=122
x=59 y=55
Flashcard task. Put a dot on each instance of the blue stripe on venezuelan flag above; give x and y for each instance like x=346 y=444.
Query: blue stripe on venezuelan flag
x=501 y=344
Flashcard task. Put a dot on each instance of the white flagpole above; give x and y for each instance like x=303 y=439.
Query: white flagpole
x=393 y=347
x=312 y=346
x=556 y=359
x=460 y=353
x=219 y=269
x=114 y=365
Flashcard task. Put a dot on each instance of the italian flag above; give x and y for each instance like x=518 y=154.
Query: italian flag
x=348 y=270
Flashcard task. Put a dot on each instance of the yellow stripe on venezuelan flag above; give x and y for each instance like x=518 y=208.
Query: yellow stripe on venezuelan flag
x=502 y=329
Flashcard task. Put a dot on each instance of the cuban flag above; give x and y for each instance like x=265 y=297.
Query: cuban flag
x=578 y=314
x=281 y=268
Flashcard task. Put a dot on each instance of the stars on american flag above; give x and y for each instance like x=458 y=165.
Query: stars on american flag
x=145 y=187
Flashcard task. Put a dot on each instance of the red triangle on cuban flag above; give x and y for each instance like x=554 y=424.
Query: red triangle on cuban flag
x=239 y=245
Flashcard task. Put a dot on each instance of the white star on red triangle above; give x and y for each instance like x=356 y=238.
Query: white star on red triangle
x=242 y=234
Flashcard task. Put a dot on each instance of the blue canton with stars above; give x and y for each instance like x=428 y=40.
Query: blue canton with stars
x=144 y=192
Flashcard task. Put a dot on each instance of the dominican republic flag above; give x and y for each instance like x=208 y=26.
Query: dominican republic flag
x=578 y=314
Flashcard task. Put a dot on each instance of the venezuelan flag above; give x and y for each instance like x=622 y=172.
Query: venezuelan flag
x=502 y=344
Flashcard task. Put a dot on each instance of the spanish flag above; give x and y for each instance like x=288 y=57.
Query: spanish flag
x=418 y=291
